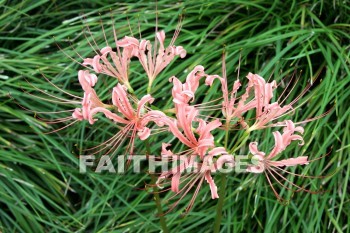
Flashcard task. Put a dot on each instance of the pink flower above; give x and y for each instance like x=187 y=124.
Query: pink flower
x=259 y=100
x=231 y=109
x=114 y=64
x=154 y=58
x=199 y=156
x=265 y=112
x=266 y=164
x=281 y=143
x=90 y=100
x=134 y=120
x=197 y=172
x=183 y=93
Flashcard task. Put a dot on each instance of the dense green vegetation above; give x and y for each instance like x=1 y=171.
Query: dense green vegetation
x=41 y=189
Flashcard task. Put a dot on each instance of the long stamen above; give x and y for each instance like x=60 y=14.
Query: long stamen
x=300 y=175
x=56 y=121
x=47 y=93
x=103 y=30
x=67 y=55
x=290 y=182
x=60 y=89
x=273 y=189
x=115 y=137
x=53 y=101
x=61 y=128
x=93 y=39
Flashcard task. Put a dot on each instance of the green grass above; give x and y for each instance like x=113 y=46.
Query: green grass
x=41 y=188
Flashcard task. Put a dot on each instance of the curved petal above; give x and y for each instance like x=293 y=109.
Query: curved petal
x=302 y=160
x=96 y=64
x=145 y=99
x=108 y=114
x=213 y=188
x=106 y=50
x=279 y=145
x=253 y=148
x=121 y=101
x=179 y=50
x=144 y=133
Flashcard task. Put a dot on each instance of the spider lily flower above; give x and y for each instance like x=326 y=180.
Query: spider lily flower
x=259 y=100
x=271 y=168
x=134 y=120
x=198 y=150
x=136 y=117
x=152 y=61
x=154 y=58
x=186 y=116
x=281 y=143
x=265 y=111
x=114 y=64
x=266 y=165
x=90 y=100
x=183 y=93
x=199 y=172
x=244 y=104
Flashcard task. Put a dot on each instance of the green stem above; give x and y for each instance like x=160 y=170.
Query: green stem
x=149 y=88
x=128 y=86
x=240 y=142
x=162 y=219
x=222 y=193
x=222 y=190
x=226 y=134
x=159 y=206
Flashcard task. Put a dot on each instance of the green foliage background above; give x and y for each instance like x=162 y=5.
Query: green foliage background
x=41 y=189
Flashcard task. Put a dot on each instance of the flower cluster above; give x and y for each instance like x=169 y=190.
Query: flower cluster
x=136 y=119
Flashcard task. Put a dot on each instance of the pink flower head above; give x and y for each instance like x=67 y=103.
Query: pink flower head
x=197 y=172
x=114 y=64
x=134 y=120
x=133 y=116
x=281 y=143
x=258 y=95
x=186 y=116
x=182 y=128
x=90 y=100
x=265 y=112
x=246 y=102
x=155 y=59
x=183 y=93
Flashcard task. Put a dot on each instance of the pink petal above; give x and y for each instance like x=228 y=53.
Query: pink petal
x=96 y=64
x=225 y=159
x=210 y=78
x=279 y=145
x=166 y=152
x=120 y=99
x=108 y=114
x=77 y=114
x=128 y=41
x=145 y=99
x=253 y=148
x=302 y=160
x=88 y=61
x=213 y=188
x=161 y=37
x=175 y=182
x=217 y=151
x=106 y=50
x=144 y=133
x=180 y=51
